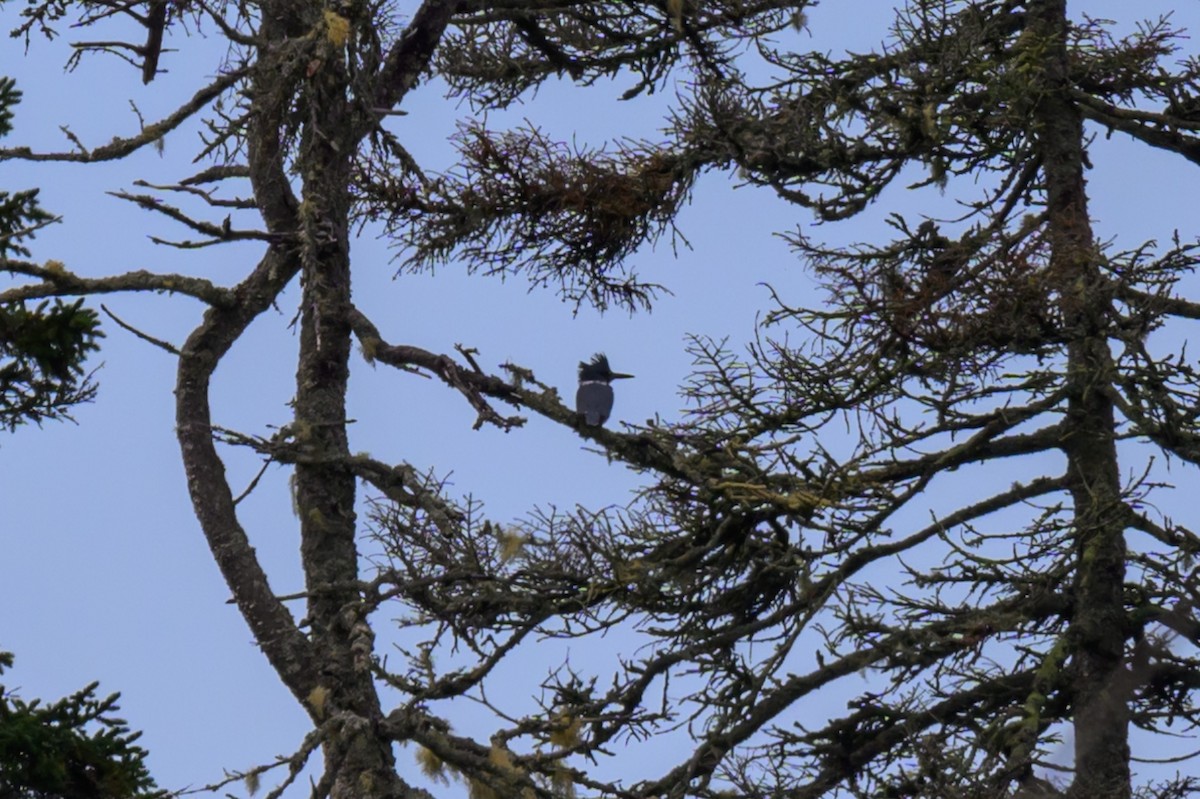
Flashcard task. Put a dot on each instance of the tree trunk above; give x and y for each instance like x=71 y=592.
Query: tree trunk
x=1101 y=717
x=360 y=761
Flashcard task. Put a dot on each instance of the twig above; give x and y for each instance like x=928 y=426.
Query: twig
x=253 y=483
x=171 y=348
x=295 y=763
x=221 y=232
x=13 y=235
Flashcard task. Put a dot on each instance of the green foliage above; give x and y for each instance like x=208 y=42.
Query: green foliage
x=20 y=214
x=41 y=360
x=72 y=748
x=9 y=96
x=41 y=350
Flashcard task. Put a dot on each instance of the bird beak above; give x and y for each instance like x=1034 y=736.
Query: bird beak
x=618 y=376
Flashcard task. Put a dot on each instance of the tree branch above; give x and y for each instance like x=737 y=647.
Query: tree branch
x=410 y=55
x=121 y=147
x=59 y=282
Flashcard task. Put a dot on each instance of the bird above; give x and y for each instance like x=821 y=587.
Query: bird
x=594 y=399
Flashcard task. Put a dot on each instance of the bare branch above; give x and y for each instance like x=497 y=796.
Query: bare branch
x=121 y=147
x=58 y=282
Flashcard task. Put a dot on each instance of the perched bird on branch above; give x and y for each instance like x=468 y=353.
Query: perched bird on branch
x=594 y=399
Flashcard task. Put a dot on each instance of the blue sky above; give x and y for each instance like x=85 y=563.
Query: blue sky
x=103 y=571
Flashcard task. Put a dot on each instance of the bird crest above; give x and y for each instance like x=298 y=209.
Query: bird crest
x=597 y=368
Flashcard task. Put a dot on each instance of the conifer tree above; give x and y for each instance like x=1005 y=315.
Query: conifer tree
x=770 y=563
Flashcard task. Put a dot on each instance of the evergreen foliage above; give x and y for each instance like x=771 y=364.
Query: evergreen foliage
x=984 y=549
x=42 y=350
x=41 y=360
x=73 y=748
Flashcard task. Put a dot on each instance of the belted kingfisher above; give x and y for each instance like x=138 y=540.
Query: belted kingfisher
x=594 y=399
